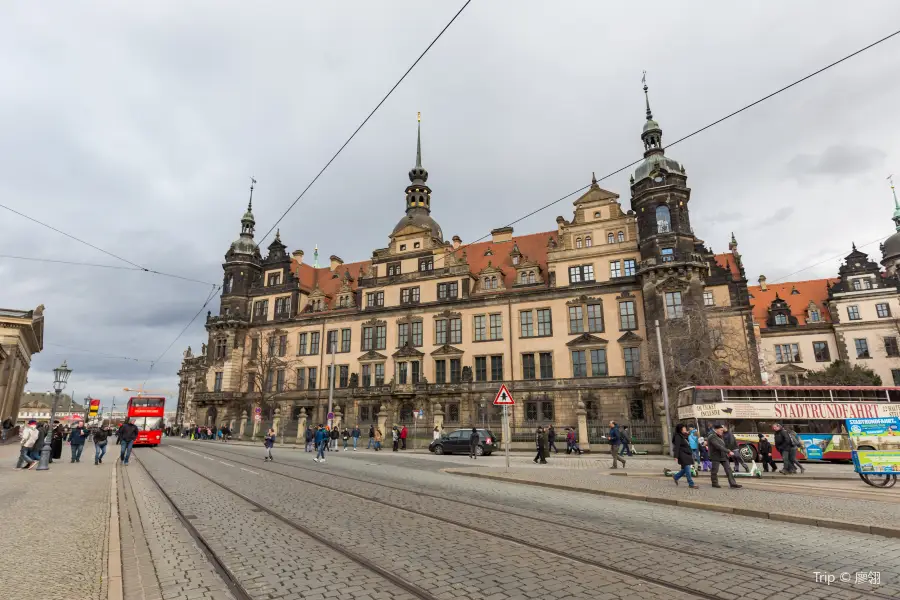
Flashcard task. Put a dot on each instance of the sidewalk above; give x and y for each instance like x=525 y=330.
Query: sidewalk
x=56 y=527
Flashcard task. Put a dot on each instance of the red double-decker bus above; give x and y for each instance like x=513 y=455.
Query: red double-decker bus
x=147 y=413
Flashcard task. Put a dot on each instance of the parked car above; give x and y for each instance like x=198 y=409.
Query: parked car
x=458 y=441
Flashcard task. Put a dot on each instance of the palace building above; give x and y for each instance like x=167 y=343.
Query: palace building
x=427 y=329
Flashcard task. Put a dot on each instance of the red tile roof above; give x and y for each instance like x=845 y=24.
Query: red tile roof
x=727 y=261
x=813 y=290
x=323 y=276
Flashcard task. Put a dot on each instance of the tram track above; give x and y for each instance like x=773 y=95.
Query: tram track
x=330 y=475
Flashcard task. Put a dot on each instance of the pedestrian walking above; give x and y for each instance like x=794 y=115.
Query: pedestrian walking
x=126 y=435
x=395 y=437
x=705 y=463
x=571 y=442
x=39 y=443
x=787 y=443
x=56 y=441
x=473 y=443
x=371 y=443
x=269 y=442
x=321 y=440
x=404 y=432
x=436 y=434
x=683 y=455
x=765 y=454
x=76 y=440
x=551 y=440
x=694 y=441
x=540 y=443
x=335 y=434
x=6 y=428
x=310 y=437
x=719 y=454
x=100 y=437
x=614 y=441
x=732 y=445
x=378 y=437
x=345 y=436
x=29 y=436
x=625 y=436
x=355 y=434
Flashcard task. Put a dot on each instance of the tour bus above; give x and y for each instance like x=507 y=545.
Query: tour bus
x=147 y=413
x=815 y=413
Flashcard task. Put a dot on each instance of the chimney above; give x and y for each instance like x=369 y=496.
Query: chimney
x=501 y=234
x=336 y=261
x=762 y=283
x=457 y=241
x=298 y=256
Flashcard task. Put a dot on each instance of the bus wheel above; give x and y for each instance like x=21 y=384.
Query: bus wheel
x=882 y=481
x=748 y=453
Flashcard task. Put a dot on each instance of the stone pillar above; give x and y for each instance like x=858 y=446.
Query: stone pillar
x=382 y=424
x=276 y=422
x=438 y=412
x=301 y=428
x=256 y=426
x=581 y=413
x=338 y=416
x=243 y=424
x=231 y=422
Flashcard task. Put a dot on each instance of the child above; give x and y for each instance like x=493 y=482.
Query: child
x=268 y=443
x=705 y=463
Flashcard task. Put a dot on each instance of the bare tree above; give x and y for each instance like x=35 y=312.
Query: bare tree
x=270 y=371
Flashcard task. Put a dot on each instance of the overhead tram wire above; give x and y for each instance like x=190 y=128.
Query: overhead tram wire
x=366 y=120
x=690 y=135
x=69 y=262
x=839 y=256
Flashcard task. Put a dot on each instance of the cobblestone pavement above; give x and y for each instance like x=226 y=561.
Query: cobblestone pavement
x=55 y=528
x=160 y=559
x=638 y=538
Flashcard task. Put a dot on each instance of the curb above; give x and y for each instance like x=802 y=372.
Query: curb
x=744 y=512
x=114 y=559
x=800 y=478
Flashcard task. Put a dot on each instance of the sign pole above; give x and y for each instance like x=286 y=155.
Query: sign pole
x=506 y=435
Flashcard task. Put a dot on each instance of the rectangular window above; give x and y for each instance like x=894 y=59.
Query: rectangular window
x=456 y=331
x=579 y=363
x=595 y=318
x=282 y=345
x=820 y=351
x=345 y=340
x=528 y=366
x=279 y=380
x=708 y=299
x=282 y=306
x=301 y=378
x=480 y=328
x=260 y=309
x=254 y=348
x=417 y=333
x=615 y=269
x=368 y=338
x=301 y=344
x=453 y=413
x=403 y=370
x=409 y=295
x=366 y=375
x=862 y=348
x=546 y=365
x=632 y=361
x=455 y=370
x=364 y=414
x=890 y=346
x=274 y=279
x=416 y=370
x=251 y=382
x=313 y=377
x=496 y=327
x=497 y=368
x=343 y=376
x=627 y=316
x=402 y=335
x=544 y=322
x=576 y=319
x=374 y=299
x=531 y=411
x=674 y=309
x=332 y=341
x=269 y=380
x=668 y=254
x=271 y=345
x=221 y=348
x=883 y=310
x=598 y=363
x=379 y=374
x=426 y=264
x=895 y=373
x=853 y=313
x=314 y=343
x=440 y=332
x=787 y=353
x=218 y=383
x=630 y=267
x=447 y=291
x=581 y=273
x=440 y=371
x=526 y=327
x=480 y=368
x=547 y=411
x=393 y=269
x=380 y=337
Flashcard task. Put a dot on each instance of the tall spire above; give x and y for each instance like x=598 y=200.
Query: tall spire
x=419 y=141
x=418 y=195
x=247 y=221
x=647 y=96
x=651 y=134
x=896 y=217
x=316 y=257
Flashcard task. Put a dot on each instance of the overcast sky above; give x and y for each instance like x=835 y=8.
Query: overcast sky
x=136 y=126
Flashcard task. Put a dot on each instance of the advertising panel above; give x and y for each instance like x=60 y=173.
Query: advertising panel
x=877 y=461
x=878 y=427
x=879 y=440
x=790 y=411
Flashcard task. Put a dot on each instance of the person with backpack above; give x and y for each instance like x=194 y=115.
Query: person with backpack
x=309 y=436
x=684 y=455
x=571 y=443
x=625 y=436
x=765 y=454
x=269 y=442
x=784 y=445
x=614 y=441
x=321 y=441
x=694 y=442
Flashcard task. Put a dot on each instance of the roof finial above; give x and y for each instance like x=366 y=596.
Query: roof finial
x=646 y=96
x=854 y=246
x=252 y=183
x=419 y=141
x=896 y=217
x=316 y=257
x=593 y=178
x=278 y=234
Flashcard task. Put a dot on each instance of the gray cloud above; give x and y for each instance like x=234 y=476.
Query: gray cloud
x=776 y=218
x=838 y=162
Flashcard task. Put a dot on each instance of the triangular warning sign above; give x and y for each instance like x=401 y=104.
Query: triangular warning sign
x=503 y=398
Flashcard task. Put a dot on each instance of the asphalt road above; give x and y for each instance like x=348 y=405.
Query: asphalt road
x=388 y=525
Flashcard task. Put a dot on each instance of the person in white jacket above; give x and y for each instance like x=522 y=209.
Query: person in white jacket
x=29 y=436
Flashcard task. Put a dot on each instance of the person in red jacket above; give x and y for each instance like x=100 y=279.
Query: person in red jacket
x=403 y=433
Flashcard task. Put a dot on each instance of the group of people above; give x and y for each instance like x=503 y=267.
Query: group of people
x=545 y=442
x=33 y=438
x=222 y=434
x=719 y=449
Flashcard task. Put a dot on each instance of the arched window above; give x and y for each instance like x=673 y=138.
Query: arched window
x=621 y=236
x=578 y=242
x=494 y=282
x=515 y=260
x=610 y=239
x=531 y=277
x=663 y=219
x=229 y=282
x=588 y=242
x=523 y=277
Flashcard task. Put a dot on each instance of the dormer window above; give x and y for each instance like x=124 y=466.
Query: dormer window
x=814 y=316
x=588 y=242
x=426 y=264
x=515 y=260
x=274 y=279
x=578 y=242
x=393 y=269
x=416 y=245
x=523 y=277
x=402 y=247
x=610 y=239
x=531 y=277
x=490 y=282
x=781 y=319
x=621 y=236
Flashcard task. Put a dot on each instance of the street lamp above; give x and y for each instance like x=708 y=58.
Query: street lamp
x=60 y=376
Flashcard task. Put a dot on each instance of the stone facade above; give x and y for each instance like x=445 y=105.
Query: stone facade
x=433 y=325
x=21 y=336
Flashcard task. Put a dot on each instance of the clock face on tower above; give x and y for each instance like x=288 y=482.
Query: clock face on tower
x=658 y=179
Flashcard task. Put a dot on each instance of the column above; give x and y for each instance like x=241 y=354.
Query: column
x=276 y=422
x=301 y=428
x=382 y=422
x=581 y=414
x=438 y=412
x=243 y=424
